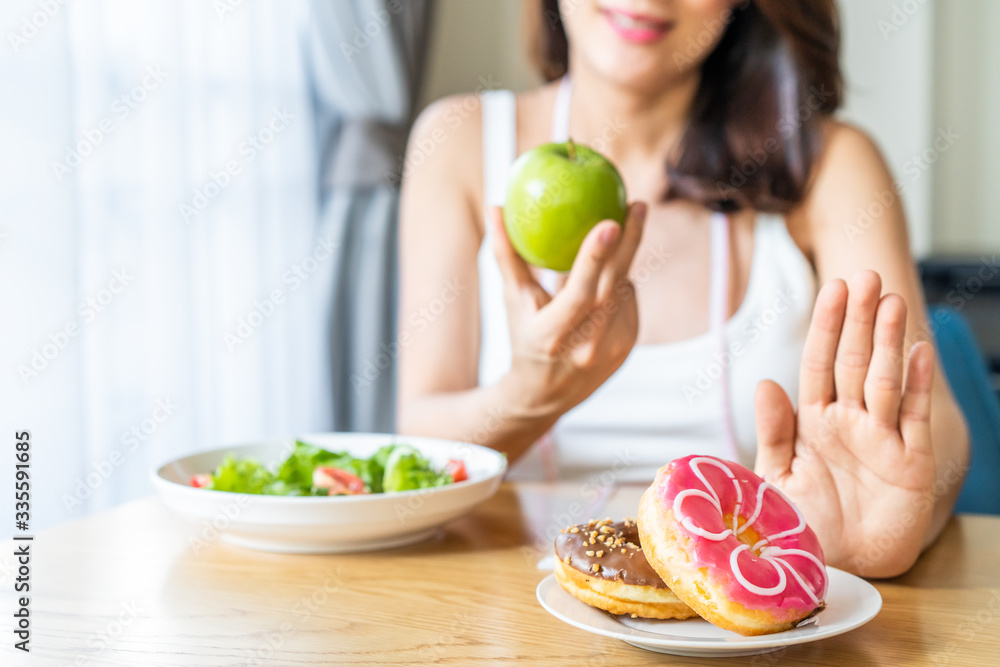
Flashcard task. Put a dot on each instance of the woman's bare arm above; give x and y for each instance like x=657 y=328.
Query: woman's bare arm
x=440 y=235
x=855 y=221
x=439 y=238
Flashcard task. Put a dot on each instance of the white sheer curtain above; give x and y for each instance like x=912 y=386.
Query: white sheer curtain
x=165 y=275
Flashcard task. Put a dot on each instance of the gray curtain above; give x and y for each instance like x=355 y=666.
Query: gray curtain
x=367 y=57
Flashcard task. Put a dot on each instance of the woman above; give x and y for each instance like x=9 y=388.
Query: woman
x=719 y=115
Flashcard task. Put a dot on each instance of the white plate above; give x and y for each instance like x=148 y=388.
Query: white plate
x=850 y=603
x=329 y=524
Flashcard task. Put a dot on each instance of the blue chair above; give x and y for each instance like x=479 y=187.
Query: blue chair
x=963 y=364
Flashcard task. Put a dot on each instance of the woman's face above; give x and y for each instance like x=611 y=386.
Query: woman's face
x=644 y=44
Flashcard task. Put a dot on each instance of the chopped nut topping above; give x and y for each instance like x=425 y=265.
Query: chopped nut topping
x=566 y=560
x=593 y=541
x=635 y=615
x=593 y=534
x=575 y=529
x=607 y=529
x=623 y=551
x=590 y=553
x=600 y=554
x=628 y=523
x=595 y=568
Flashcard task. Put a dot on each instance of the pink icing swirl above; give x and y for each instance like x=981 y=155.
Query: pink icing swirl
x=783 y=572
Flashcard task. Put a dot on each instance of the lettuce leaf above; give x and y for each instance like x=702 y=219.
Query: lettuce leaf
x=296 y=472
x=241 y=476
x=406 y=469
x=391 y=468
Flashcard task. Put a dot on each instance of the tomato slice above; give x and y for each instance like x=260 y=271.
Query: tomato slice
x=339 y=482
x=456 y=468
x=201 y=481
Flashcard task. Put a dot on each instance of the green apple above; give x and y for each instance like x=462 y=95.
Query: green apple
x=556 y=193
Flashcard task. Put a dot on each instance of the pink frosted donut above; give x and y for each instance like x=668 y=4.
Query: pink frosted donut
x=731 y=546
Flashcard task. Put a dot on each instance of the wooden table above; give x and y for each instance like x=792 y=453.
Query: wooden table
x=125 y=587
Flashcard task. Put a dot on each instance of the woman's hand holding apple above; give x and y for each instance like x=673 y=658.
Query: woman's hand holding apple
x=564 y=346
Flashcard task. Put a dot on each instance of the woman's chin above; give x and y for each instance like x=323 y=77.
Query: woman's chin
x=631 y=74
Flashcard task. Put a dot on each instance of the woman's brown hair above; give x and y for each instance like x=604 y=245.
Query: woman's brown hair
x=755 y=128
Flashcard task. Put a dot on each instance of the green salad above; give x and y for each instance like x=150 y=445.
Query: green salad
x=312 y=471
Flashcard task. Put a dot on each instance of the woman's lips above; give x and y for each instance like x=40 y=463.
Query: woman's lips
x=635 y=27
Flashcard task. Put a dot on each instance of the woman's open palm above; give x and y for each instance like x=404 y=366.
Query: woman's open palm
x=856 y=457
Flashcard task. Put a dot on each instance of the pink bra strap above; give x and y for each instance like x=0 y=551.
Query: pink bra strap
x=718 y=315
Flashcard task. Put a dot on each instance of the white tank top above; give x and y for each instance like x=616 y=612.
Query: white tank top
x=666 y=400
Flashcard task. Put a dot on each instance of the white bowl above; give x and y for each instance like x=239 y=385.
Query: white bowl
x=328 y=524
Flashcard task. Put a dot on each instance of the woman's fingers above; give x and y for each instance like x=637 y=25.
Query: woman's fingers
x=884 y=384
x=579 y=295
x=775 y=431
x=854 y=352
x=816 y=384
x=915 y=409
x=515 y=271
x=619 y=265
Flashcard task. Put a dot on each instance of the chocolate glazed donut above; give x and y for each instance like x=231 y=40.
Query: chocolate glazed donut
x=601 y=563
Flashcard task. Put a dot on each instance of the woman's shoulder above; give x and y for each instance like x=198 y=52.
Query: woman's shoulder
x=847 y=147
x=446 y=142
x=458 y=120
x=450 y=128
